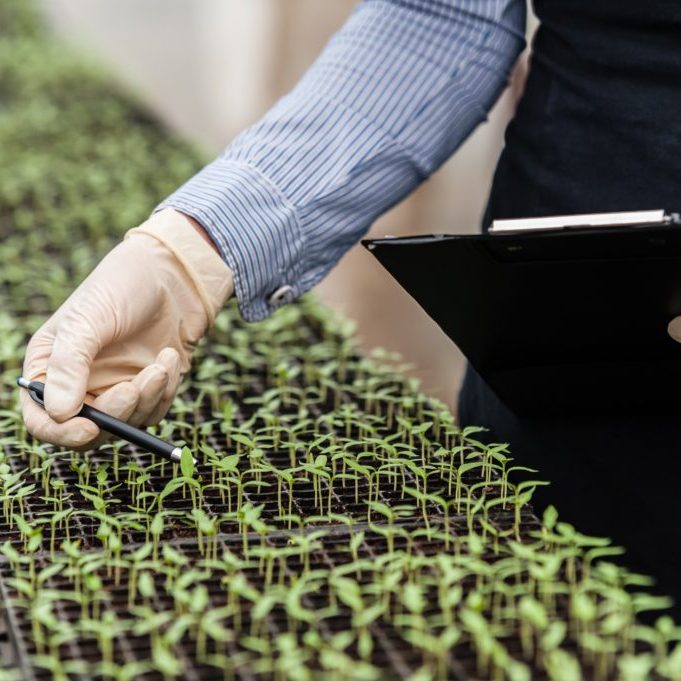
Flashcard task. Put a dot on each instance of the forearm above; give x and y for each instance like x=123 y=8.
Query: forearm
x=395 y=92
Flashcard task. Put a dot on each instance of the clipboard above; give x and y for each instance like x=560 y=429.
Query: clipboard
x=557 y=320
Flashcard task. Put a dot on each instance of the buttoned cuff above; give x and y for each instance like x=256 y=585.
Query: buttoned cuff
x=254 y=227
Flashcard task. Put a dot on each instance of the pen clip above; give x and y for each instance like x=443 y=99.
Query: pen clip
x=35 y=397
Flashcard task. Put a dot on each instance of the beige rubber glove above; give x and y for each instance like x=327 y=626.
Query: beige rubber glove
x=124 y=338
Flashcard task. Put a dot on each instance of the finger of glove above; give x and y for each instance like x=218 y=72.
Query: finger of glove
x=120 y=401
x=75 y=346
x=74 y=433
x=151 y=383
x=38 y=352
x=171 y=360
x=161 y=410
x=674 y=329
x=173 y=363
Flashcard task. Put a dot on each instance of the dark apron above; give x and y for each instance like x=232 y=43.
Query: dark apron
x=598 y=129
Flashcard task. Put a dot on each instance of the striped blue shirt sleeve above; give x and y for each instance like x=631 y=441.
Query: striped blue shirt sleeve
x=391 y=97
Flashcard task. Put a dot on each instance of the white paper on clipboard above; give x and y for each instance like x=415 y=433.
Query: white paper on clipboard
x=640 y=218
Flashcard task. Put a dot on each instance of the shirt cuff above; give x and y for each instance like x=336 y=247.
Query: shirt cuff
x=254 y=227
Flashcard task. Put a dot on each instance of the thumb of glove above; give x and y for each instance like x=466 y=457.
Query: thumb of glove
x=68 y=368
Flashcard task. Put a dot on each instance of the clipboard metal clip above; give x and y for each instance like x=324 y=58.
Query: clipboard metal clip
x=638 y=218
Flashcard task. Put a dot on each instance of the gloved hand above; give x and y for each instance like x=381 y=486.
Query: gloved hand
x=124 y=338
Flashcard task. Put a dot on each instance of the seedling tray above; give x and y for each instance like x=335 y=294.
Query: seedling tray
x=390 y=655
x=344 y=526
x=395 y=657
x=348 y=500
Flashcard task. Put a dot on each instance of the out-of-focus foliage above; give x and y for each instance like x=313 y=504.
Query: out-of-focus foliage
x=82 y=162
x=19 y=18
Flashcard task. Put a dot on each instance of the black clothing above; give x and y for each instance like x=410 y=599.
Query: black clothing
x=598 y=129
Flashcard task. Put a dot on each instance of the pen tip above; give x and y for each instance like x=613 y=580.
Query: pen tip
x=176 y=455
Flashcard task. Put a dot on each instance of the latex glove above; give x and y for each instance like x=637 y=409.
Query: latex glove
x=124 y=338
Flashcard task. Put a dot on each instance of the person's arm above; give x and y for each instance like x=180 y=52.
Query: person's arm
x=392 y=96
x=395 y=92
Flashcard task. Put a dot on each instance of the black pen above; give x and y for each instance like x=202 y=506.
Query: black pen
x=111 y=424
